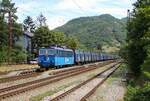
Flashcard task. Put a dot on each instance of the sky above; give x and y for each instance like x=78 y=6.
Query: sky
x=58 y=12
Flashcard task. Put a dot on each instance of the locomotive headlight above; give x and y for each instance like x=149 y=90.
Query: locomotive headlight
x=52 y=61
x=47 y=58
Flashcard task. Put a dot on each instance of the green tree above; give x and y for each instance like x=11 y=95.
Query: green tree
x=41 y=20
x=18 y=55
x=123 y=52
x=28 y=24
x=3 y=35
x=99 y=47
x=58 y=38
x=72 y=42
x=3 y=54
x=8 y=10
x=138 y=26
x=43 y=37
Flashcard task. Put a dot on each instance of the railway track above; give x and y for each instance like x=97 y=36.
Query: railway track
x=23 y=75
x=17 y=89
x=82 y=97
x=100 y=64
x=100 y=83
x=28 y=73
x=3 y=73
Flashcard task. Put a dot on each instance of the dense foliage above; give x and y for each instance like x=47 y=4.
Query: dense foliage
x=92 y=32
x=28 y=24
x=16 y=53
x=137 y=52
x=138 y=93
x=43 y=37
x=138 y=36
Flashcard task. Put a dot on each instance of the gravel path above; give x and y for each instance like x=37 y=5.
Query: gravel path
x=112 y=90
x=26 y=96
x=83 y=90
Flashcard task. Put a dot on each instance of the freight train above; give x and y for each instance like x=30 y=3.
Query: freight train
x=56 y=57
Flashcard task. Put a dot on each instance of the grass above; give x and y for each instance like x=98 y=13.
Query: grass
x=91 y=75
x=147 y=74
x=110 y=49
x=146 y=70
x=111 y=79
x=51 y=92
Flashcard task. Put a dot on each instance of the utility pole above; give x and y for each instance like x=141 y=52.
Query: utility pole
x=128 y=15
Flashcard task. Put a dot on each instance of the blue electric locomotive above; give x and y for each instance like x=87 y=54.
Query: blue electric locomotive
x=55 y=57
x=58 y=57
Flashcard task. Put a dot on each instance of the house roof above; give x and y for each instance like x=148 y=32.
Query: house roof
x=28 y=33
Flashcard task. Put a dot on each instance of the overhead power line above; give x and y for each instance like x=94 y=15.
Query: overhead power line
x=79 y=6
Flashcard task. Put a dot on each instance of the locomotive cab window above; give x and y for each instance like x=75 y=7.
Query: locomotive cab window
x=42 y=51
x=51 y=52
x=59 y=53
x=70 y=54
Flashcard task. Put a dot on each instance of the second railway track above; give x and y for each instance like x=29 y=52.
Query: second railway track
x=74 y=93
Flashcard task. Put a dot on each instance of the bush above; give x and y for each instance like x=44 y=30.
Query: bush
x=146 y=64
x=146 y=69
x=138 y=93
x=3 y=55
x=18 y=55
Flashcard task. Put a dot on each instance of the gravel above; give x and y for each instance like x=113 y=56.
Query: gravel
x=83 y=90
x=112 y=90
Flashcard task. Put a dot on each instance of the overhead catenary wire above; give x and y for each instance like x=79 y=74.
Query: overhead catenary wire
x=74 y=1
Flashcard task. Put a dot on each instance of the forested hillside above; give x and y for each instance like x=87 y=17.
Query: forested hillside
x=104 y=31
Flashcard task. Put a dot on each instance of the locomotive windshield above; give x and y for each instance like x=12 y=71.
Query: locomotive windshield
x=42 y=51
x=51 y=52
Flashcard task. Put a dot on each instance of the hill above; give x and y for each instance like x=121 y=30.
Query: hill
x=105 y=31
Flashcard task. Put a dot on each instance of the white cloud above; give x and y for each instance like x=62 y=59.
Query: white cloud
x=117 y=12
x=62 y=11
x=76 y=4
x=117 y=8
x=56 y=21
x=65 y=5
x=86 y=7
